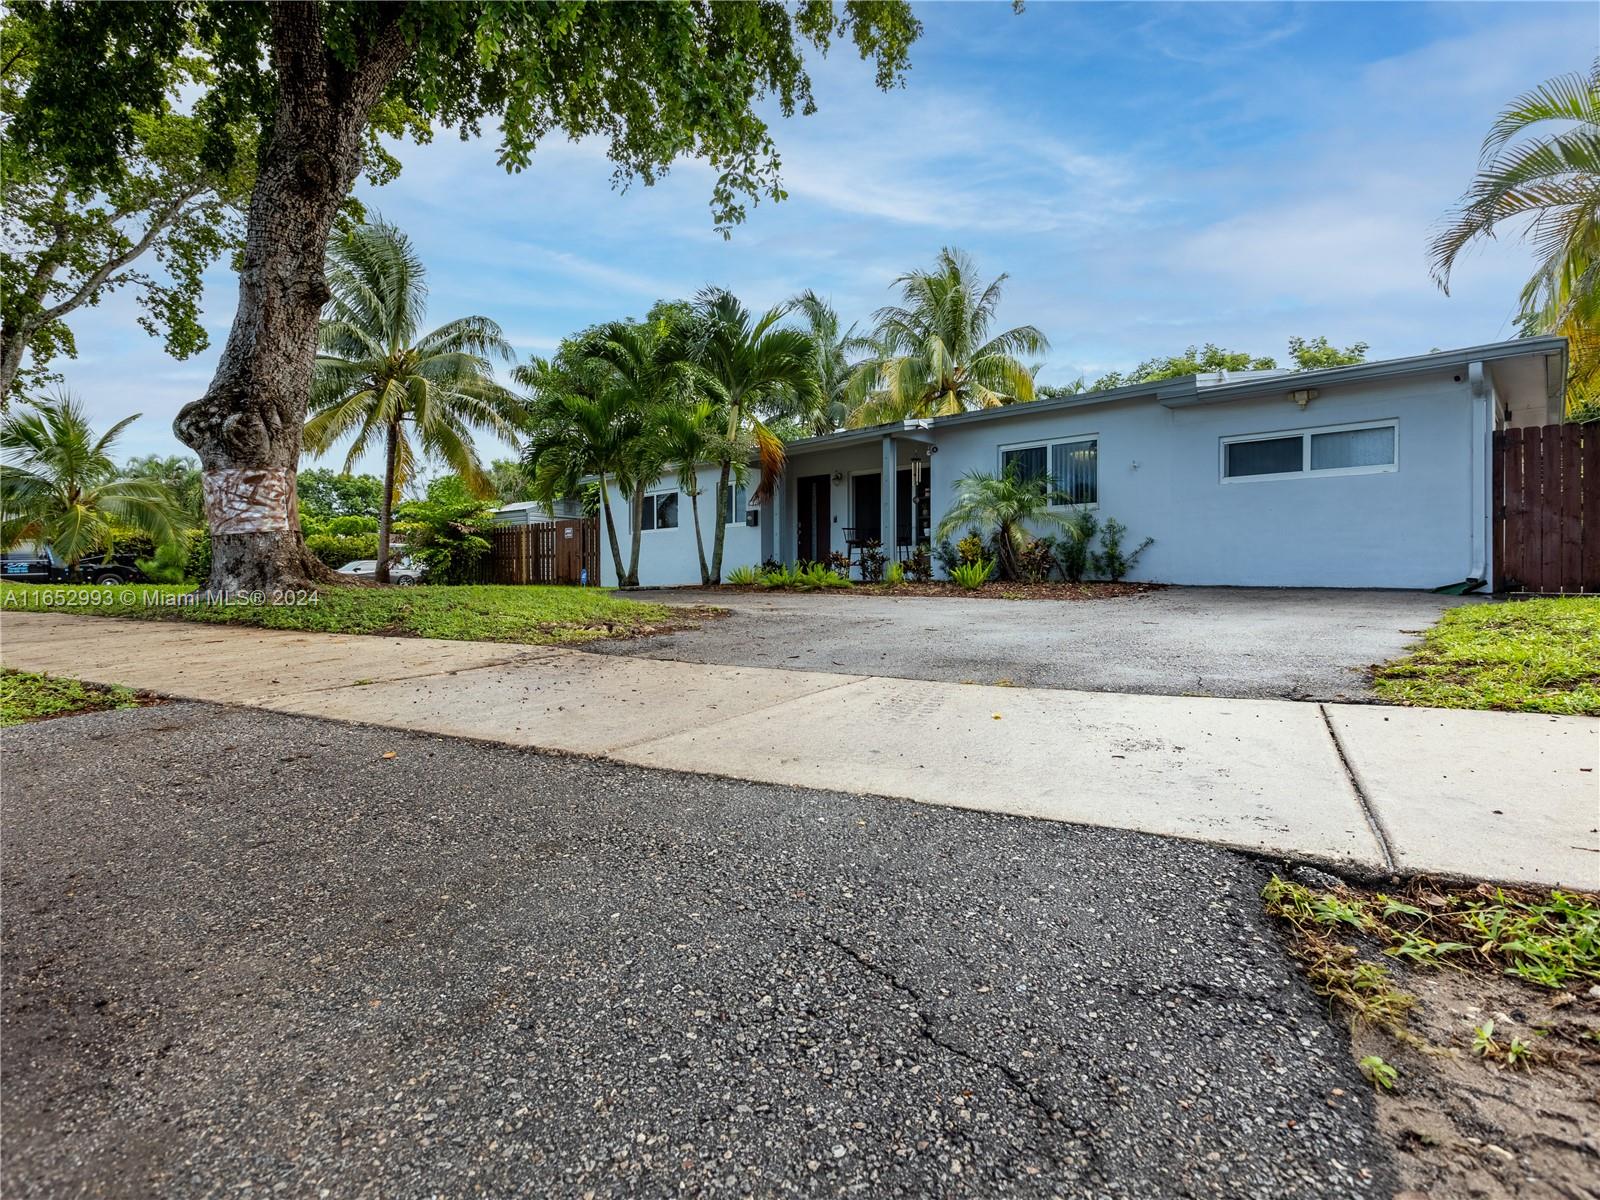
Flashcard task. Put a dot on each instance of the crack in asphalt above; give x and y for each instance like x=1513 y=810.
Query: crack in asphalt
x=1051 y=1116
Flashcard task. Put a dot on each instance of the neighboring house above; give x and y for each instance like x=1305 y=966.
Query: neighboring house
x=529 y=512
x=1375 y=475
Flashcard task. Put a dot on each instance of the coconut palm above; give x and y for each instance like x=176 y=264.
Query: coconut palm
x=832 y=352
x=1008 y=504
x=938 y=356
x=752 y=369
x=378 y=377
x=60 y=485
x=1539 y=167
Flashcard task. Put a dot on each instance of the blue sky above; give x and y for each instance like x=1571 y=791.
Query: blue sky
x=1150 y=176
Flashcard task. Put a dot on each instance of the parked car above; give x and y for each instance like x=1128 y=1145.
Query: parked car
x=34 y=562
x=402 y=571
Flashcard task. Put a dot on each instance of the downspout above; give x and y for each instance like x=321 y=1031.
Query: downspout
x=1481 y=470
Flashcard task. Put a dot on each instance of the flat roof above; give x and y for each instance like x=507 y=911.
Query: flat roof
x=1184 y=391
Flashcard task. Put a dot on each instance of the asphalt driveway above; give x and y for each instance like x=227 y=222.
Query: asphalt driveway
x=1302 y=643
x=271 y=955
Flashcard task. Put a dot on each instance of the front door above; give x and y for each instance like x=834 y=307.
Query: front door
x=866 y=507
x=812 y=535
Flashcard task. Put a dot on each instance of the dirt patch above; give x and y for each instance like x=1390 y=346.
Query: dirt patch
x=989 y=591
x=1464 y=1125
x=1476 y=1015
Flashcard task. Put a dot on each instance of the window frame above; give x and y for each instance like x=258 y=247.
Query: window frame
x=1307 y=471
x=1048 y=445
x=737 y=515
x=650 y=498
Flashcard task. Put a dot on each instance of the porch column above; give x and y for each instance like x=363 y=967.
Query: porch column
x=889 y=486
x=772 y=537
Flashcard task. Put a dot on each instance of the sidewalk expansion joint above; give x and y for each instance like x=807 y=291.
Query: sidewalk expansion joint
x=1374 y=822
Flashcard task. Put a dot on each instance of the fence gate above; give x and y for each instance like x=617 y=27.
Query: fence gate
x=1547 y=509
x=545 y=552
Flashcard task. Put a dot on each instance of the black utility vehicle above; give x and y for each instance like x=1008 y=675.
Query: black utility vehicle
x=33 y=562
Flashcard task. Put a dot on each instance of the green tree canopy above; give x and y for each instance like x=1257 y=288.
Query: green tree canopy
x=655 y=82
x=324 y=493
x=153 y=226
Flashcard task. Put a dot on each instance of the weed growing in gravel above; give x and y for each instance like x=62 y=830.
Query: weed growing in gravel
x=1378 y=1072
x=1552 y=940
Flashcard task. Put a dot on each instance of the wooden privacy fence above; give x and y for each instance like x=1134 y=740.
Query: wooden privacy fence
x=1547 y=509
x=546 y=552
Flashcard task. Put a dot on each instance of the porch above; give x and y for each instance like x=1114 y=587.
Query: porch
x=833 y=500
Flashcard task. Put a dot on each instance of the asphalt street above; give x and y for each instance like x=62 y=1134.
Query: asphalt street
x=245 y=948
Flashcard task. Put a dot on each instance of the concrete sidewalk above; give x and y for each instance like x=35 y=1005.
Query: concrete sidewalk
x=1485 y=795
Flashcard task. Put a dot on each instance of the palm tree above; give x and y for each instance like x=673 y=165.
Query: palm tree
x=179 y=474
x=752 y=368
x=377 y=377
x=1008 y=504
x=60 y=485
x=831 y=357
x=688 y=435
x=937 y=353
x=578 y=425
x=648 y=372
x=1551 y=181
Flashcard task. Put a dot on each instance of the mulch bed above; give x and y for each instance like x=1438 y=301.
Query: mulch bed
x=989 y=591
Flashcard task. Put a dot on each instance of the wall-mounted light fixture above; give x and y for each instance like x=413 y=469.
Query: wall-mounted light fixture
x=838 y=476
x=1304 y=397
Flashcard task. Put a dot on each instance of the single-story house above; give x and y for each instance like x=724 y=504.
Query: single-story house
x=1374 y=475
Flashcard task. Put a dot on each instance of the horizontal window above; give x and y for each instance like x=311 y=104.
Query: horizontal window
x=1072 y=469
x=1351 y=449
x=660 y=511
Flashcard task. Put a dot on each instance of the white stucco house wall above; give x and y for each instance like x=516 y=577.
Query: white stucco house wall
x=1375 y=475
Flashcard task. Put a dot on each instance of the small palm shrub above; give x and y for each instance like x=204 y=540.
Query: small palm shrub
x=1074 y=549
x=1111 y=560
x=744 y=577
x=808 y=578
x=894 y=574
x=973 y=575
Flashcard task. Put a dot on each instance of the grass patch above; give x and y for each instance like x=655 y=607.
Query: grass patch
x=1523 y=656
x=488 y=613
x=25 y=696
x=1550 y=940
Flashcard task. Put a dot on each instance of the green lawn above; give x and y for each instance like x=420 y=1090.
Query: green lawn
x=25 y=696
x=490 y=613
x=1523 y=656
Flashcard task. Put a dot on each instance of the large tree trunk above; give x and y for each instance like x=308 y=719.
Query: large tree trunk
x=391 y=441
x=246 y=428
